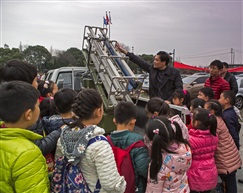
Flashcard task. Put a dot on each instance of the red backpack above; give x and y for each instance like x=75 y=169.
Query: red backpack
x=124 y=163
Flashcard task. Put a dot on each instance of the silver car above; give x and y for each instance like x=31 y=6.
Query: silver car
x=239 y=95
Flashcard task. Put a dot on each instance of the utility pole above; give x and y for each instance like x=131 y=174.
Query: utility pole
x=232 y=56
x=173 y=58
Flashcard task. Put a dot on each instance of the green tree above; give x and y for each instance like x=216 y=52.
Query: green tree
x=38 y=56
x=7 y=54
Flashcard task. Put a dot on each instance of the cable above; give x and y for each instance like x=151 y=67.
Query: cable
x=204 y=53
x=207 y=55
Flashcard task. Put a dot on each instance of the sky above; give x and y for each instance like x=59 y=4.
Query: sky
x=198 y=31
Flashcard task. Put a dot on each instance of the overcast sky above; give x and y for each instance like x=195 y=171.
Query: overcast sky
x=199 y=31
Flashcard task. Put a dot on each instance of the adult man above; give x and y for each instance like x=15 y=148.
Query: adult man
x=229 y=77
x=215 y=81
x=163 y=79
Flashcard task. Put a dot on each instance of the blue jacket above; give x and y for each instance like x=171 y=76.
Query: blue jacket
x=231 y=122
x=54 y=122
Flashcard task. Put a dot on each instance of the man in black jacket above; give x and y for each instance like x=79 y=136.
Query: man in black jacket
x=230 y=78
x=163 y=79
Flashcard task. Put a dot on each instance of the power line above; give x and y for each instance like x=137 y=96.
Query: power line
x=205 y=53
x=208 y=55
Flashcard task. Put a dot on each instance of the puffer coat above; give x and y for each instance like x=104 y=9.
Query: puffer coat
x=203 y=175
x=227 y=156
x=22 y=166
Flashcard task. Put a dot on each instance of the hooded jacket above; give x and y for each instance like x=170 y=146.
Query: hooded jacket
x=172 y=175
x=97 y=161
x=22 y=166
x=227 y=157
x=203 y=175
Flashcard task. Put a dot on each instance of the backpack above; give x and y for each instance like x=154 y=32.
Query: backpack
x=124 y=163
x=68 y=177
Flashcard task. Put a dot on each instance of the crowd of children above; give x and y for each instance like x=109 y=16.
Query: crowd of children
x=42 y=125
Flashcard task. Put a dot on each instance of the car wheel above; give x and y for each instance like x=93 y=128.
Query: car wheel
x=239 y=102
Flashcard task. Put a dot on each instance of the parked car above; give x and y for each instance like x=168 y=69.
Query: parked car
x=239 y=95
x=194 y=83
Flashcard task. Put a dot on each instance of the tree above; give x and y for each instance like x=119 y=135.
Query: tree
x=38 y=56
x=7 y=54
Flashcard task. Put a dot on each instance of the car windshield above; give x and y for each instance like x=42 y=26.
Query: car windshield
x=188 y=80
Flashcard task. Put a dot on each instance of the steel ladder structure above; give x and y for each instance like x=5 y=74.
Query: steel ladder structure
x=112 y=76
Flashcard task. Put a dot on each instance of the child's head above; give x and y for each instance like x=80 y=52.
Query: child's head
x=227 y=99
x=125 y=114
x=47 y=107
x=215 y=68
x=47 y=88
x=64 y=98
x=206 y=93
x=88 y=106
x=19 y=70
x=202 y=119
x=214 y=107
x=181 y=97
x=162 y=133
x=197 y=103
x=19 y=103
x=156 y=106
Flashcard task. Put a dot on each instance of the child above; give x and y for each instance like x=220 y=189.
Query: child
x=202 y=176
x=170 y=157
x=23 y=71
x=227 y=157
x=205 y=93
x=181 y=98
x=22 y=166
x=63 y=100
x=197 y=103
x=227 y=100
x=19 y=70
x=98 y=159
x=47 y=89
x=47 y=107
x=125 y=118
x=215 y=81
x=158 y=107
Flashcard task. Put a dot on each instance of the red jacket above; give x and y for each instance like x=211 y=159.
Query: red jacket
x=218 y=85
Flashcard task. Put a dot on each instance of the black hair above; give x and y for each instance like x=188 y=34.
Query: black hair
x=164 y=57
x=18 y=70
x=157 y=104
x=217 y=63
x=125 y=112
x=215 y=105
x=47 y=107
x=229 y=94
x=197 y=103
x=182 y=94
x=16 y=97
x=225 y=64
x=45 y=87
x=64 y=98
x=208 y=92
x=85 y=104
x=160 y=131
x=205 y=120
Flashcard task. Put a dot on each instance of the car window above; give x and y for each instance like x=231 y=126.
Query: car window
x=188 y=80
x=64 y=80
x=200 y=80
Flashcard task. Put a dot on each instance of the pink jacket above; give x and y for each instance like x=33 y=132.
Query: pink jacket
x=202 y=175
x=227 y=157
x=172 y=175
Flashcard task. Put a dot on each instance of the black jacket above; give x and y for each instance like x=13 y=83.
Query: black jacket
x=232 y=82
x=48 y=143
x=171 y=79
